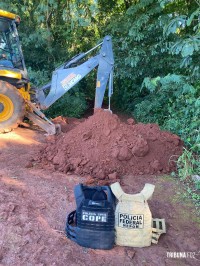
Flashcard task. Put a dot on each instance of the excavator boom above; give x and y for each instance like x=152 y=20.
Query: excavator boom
x=66 y=77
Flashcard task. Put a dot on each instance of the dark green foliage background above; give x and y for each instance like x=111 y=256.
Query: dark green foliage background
x=156 y=46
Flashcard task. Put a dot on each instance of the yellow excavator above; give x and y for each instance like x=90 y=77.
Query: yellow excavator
x=15 y=88
x=14 y=82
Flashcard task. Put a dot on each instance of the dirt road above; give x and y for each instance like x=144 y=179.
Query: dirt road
x=34 y=203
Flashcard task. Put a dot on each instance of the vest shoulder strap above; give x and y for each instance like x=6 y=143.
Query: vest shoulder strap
x=79 y=195
x=117 y=190
x=147 y=191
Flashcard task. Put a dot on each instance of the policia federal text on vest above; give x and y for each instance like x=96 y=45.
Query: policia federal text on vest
x=92 y=224
x=133 y=219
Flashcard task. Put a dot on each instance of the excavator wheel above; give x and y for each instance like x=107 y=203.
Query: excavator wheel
x=12 y=107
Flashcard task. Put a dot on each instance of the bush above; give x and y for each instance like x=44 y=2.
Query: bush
x=173 y=103
x=70 y=105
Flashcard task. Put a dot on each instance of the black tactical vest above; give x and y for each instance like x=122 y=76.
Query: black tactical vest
x=92 y=224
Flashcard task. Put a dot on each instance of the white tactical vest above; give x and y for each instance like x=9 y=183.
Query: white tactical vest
x=133 y=219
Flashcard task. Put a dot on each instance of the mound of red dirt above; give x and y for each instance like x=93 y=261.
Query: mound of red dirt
x=105 y=148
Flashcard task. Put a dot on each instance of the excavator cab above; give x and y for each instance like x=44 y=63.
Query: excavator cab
x=14 y=82
x=12 y=66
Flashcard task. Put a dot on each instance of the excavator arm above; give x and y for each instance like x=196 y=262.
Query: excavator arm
x=66 y=77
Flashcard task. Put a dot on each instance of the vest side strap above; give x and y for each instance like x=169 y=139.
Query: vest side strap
x=147 y=191
x=158 y=229
x=159 y=225
x=117 y=190
x=70 y=229
x=154 y=241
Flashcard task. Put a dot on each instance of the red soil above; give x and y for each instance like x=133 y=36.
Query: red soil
x=34 y=203
x=103 y=145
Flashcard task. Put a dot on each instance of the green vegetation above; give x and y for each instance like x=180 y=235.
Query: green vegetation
x=72 y=104
x=188 y=166
x=157 y=55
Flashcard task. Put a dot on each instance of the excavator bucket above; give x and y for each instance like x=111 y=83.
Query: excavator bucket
x=35 y=115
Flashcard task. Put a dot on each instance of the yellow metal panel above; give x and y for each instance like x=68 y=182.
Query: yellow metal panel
x=7 y=14
x=28 y=86
x=98 y=84
x=10 y=74
x=25 y=94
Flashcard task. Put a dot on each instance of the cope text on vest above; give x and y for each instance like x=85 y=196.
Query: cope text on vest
x=131 y=221
x=94 y=216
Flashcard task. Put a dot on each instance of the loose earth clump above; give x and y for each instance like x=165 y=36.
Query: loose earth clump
x=104 y=147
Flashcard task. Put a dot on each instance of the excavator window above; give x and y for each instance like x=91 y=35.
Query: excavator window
x=10 y=53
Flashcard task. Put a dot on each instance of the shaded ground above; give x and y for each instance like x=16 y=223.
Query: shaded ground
x=34 y=203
